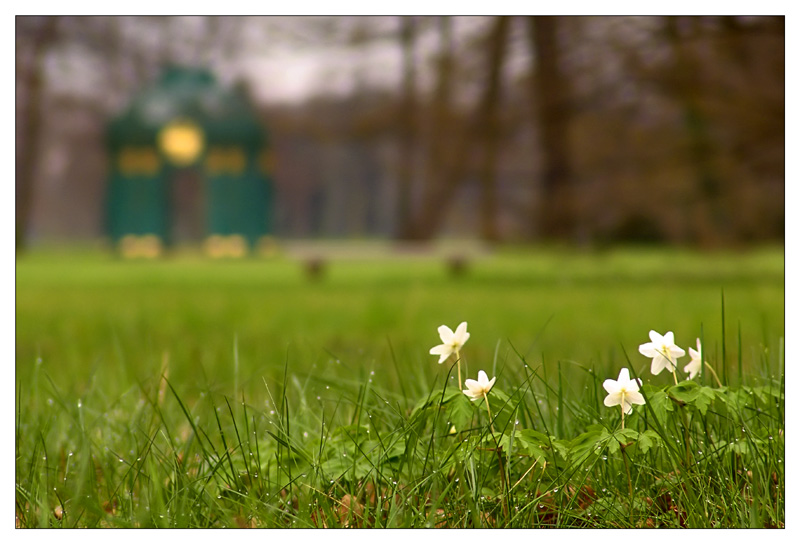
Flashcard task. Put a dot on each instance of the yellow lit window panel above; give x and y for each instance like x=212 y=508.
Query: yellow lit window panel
x=138 y=160
x=221 y=160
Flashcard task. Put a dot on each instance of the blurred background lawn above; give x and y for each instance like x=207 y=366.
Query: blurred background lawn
x=98 y=322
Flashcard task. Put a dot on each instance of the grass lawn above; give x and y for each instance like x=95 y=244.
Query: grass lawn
x=288 y=401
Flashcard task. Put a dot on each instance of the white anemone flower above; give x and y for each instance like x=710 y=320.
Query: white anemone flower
x=451 y=341
x=477 y=390
x=623 y=391
x=696 y=364
x=663 y=351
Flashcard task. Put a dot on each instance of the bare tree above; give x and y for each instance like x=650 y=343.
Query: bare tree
x=35 y=34
x=440 y=131
x=551 y=96
x=440 y=193
x=490 y=132
x=406 y=121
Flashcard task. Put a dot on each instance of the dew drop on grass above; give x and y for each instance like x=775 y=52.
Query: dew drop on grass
x=327 y=387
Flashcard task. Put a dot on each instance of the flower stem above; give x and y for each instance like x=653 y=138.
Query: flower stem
x=674 y=375
x=491 y=425
x=630 y=484
x=622 y=411
x=708 y=366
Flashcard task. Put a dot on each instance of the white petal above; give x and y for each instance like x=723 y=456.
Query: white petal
x=693 y=368
x=473 y=386
x=648 y=350
x=634 y=397
x=490 y=384
x=676 y=352
x=612 y=400
x=624 y=375
x=471 y=395
x=669 y=338
x=461 y=334
x=441 y=349
x=699 y=348
x=611 y=386
x=693 y=354
x=446 y=334
x=656 y=338
x=657 y=365
x=626 y=407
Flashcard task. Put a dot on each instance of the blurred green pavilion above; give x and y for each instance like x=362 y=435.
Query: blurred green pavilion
x=187 y=124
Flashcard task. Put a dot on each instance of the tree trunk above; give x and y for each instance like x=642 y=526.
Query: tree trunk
x=442 y=133
x=30 y=119
x=406 y=117
x=489 y=131
x=551 y=98
x=712 y=219
x=440 y=195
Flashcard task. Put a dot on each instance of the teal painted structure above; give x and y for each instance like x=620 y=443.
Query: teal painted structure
x=215 y=132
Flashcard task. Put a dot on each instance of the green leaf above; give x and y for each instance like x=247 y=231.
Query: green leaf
x=561 y=446
x=533 y=443
x=588 y=441
x=659 y=402
x=684 y=392
x=704 y=399
x=533 y=437
x=647 y=440
x=621 y=437
x=460 y=413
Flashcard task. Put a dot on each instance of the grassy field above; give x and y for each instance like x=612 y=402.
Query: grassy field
x=197 y=393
